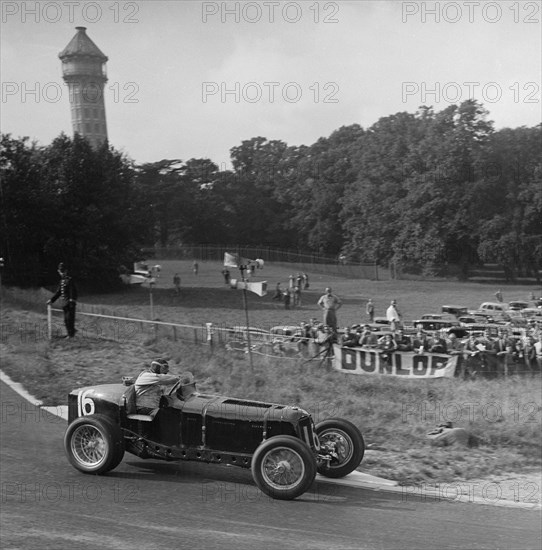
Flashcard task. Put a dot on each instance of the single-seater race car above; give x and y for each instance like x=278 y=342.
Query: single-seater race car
x=279 y=443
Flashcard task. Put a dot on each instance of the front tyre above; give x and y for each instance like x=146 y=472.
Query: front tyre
x=342 y=444
x=283 y=467
x=94 y=444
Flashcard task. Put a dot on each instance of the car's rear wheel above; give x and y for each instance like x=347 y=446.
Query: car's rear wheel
x=343 y=443
x=94 y=444
x=283 y=467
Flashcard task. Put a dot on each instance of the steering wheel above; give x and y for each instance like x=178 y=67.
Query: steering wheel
x=175 y=388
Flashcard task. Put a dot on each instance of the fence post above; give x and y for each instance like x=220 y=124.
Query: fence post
x=209 y=333
x=49 y=322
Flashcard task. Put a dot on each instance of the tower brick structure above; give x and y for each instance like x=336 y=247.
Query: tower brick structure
x=83 y=70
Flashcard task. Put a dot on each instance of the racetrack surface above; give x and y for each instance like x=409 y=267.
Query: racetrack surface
x=46 y=504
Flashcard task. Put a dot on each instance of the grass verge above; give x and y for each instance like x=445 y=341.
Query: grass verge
x=394 y=415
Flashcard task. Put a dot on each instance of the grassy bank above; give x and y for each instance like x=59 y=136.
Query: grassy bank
x=394 y=415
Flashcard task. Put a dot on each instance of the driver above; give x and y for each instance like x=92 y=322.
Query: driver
x=149 y=386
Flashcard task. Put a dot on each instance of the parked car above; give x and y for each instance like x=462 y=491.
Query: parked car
x=456 y=311
x=287 y=339
x=280 y=444
x=517 y=305
x=380 y=321
x=435 y=316
x=434 y=324
x=237 y=338
x=532 y=313
x=492 y=308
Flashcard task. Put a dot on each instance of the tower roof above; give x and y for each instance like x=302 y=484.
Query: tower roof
x=82 y=45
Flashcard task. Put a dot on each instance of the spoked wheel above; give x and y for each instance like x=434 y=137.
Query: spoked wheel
x=342 y=443
x=283 y=467
x=94 y=444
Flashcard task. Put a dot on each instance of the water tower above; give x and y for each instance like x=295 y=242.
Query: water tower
x=83 y=70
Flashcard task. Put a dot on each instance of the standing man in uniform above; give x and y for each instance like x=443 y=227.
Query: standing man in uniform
x=68 y=292
x=330 y=304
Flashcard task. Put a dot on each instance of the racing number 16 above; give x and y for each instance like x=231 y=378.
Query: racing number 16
x=85 y=405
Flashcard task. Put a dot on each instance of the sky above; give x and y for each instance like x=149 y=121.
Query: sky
x=192 y=79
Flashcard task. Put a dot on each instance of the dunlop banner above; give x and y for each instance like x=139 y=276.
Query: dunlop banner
x=400 y=363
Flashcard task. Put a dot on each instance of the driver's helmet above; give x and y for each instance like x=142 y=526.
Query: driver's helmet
x=158 y=364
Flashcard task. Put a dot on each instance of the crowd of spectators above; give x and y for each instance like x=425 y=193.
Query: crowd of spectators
x=495 y=352
x=492 y=354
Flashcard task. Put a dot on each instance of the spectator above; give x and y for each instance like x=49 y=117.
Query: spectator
x=454 y=345
x=420 y=344
x=498 y=295
x=297 y=296
x=471 y=356
x=349 y=338
x=325 y=338
x=387 y=346
x=488 y=355
x=68 y=292
x=278 y=293
x=403 y=342
x=314 y=326
x=503 y=347
x=305 y=281
x=226 y=275
x=368 y=338
x=529 y=355
x=538 y=349
x=437 y=344
x=330 y=303
x=370 y=310
x=286 y=295
x=393 y=315
x=177 y=284
x=290 y=281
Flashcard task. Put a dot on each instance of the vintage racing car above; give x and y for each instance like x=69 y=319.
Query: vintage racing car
x=280 y=443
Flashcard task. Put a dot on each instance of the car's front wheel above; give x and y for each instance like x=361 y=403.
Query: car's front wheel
x=341 y=445
x=283 y=467
x=94 y=444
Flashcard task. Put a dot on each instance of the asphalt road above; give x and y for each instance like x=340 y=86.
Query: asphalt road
x=46 y=504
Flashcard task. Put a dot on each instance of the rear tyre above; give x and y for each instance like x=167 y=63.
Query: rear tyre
x=94 y=444
x=283 y=467
x=343 y=442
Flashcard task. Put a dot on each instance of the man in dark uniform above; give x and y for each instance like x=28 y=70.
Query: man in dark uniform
x=68 y=292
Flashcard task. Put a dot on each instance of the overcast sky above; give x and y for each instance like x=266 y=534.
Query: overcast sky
x=193 y=79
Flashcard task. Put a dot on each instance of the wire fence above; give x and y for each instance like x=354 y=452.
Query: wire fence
x=314 y=263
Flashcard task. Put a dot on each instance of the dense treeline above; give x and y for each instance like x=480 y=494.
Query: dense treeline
x=424 y=191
